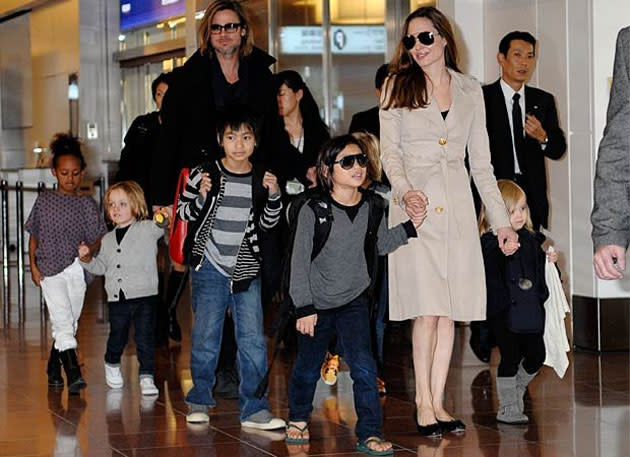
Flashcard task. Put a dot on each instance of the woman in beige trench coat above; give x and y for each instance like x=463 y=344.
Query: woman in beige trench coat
x=430 y=113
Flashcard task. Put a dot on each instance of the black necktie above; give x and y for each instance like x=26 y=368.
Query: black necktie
x=517 y=129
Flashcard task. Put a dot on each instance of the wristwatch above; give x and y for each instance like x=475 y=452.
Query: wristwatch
x=546 y=140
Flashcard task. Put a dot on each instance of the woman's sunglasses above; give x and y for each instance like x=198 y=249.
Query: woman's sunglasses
x=425 y=38
x=347 y=162
x=230 y=27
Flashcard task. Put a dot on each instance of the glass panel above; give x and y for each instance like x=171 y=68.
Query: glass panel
x=300 y=43
x=162 y=31
x=359 y=43
x=136 y=82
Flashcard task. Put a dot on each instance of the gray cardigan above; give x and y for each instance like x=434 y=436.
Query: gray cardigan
x=611 y=212
x=132 y=266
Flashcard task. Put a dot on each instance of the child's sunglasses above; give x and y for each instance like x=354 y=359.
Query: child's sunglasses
x=347 y=162
x=425 y=38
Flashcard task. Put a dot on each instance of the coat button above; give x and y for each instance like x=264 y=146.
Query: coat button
x=118 y=250
x=395 y=200
x=119 y=279
x=442 y=141
x=439 y=209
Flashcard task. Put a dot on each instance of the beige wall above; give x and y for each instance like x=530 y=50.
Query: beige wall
x=11 y=6
x=55 y=54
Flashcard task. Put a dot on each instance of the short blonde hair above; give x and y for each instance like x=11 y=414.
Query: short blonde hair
x=247 y=41
x=136 y=197
x=511 y=193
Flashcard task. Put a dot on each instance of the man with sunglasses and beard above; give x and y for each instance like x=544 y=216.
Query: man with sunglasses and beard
x=523 y=130
x=226 y=70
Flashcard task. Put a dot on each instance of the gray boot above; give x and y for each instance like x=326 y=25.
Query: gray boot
x=508 y=402
x=523 y=378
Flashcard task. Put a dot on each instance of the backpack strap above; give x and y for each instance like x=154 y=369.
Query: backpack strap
x=322 y=208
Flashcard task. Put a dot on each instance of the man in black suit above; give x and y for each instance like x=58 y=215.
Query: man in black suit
x=523 y=129
x=538 y=134
x=367 y=121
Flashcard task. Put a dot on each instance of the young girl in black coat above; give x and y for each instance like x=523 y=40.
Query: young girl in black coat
x=516 y=291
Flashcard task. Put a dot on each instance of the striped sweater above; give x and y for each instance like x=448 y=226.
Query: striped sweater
x=201 y=214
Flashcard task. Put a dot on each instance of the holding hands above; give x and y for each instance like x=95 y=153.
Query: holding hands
x=84 y=253
x=508 y=240
x=270 y=182
x=416 y=206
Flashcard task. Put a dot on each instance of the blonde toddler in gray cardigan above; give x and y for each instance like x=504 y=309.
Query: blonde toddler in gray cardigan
x=128 y=260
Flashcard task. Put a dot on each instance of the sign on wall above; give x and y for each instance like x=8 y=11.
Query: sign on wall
x=344 y=39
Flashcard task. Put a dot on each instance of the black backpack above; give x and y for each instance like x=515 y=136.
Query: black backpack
x=321 y=205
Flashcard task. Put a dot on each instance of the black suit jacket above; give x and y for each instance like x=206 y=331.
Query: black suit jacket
x=188 y=136
x=366 y=121
x=542 y=105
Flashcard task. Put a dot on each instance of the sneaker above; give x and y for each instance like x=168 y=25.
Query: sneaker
x=113 y=376
x=147 y=386
x=380 y=384
x=197 y=414
x=329 y=370
x=263 y=420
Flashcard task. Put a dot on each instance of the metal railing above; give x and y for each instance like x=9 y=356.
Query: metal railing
x=19 y=263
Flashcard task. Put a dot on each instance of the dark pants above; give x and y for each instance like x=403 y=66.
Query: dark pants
x=140 y=311
x=351 y=323
x=516 y=347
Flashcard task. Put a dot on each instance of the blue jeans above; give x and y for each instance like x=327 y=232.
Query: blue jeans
x=352 y=325
x=140 y=311
x=211 y=297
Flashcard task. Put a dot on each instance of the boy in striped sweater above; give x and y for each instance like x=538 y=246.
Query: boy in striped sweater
x=228 y=203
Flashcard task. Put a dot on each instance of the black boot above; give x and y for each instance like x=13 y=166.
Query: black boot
x=54 y=368
x=73 y=371
x=176 y=284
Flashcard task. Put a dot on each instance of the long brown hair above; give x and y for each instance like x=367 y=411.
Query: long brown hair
x=247 y=41
x=407 y=79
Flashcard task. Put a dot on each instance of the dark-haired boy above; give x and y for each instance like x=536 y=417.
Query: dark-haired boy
x=228 y=203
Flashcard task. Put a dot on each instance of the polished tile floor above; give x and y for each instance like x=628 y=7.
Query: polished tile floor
x=585 y=414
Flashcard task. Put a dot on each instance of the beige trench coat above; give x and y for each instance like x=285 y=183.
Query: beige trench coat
x=441 y=272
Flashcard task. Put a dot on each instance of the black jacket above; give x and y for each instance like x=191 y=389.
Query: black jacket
x=200 y=215
x=286 y=161
x=137 y=155
x=366 y=121
x=504 y=296
x=542 y=105
x=188 y=135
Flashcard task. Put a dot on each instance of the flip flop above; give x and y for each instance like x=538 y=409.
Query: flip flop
x=362 y=446
x=302 y=430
